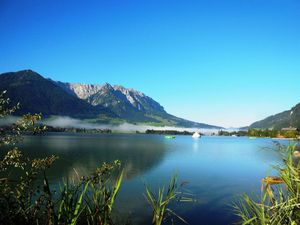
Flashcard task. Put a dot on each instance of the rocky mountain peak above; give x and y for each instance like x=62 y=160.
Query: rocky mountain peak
x=83 y=91
x=119 y=87
x=107 y=86
x=110 y=96
x=25 y=74
x=128 y=91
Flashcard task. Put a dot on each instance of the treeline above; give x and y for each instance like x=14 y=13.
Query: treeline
x=273 y=133
x=11 y=129
x=262 y=133
x=168 y=132
x=236 y=133
x=77 y=130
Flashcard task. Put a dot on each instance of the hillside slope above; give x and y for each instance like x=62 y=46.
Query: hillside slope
x=37 y=94
x=289 y=118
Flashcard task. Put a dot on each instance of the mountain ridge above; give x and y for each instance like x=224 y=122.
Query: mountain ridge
x=87 y=100
x=288 y=118
x=37 y=94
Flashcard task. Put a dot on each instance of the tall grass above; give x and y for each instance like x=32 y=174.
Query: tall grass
x=100 y=201
x=279 y=203
x=160 y=202
x=27 y=200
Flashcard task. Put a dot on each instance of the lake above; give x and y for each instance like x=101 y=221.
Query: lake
x=217 y=169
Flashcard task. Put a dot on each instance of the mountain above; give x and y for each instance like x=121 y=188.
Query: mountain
x=126 y=103
x=37 y=94
x=101 y=103
x=129 y=104
x=82 y=91
x=289 y=118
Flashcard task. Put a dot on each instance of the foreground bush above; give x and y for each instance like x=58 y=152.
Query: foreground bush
x=26 y=197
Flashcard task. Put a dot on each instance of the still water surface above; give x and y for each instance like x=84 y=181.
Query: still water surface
x=218 y=169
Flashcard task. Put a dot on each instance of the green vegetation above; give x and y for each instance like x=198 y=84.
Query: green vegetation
x=47 y=128
x=273 y=133
x=28 y=198
x=237 y=133
x=160 y=202
x=279 y=203
x=77 y=130
x=169 y=132
x=263 y=133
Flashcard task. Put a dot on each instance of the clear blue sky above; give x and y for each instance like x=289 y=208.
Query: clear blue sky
x=222 y=62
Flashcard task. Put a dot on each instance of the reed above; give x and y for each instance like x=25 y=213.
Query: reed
x=279 y=203
x=160 y=202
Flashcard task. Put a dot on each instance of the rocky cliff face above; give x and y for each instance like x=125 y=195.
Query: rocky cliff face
x=122 y=101
x=82 y=91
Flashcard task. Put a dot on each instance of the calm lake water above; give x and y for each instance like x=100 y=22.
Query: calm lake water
x=218 y=169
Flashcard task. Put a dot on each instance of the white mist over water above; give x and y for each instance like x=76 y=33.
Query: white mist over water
x=68 y=122
x=124 y=127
